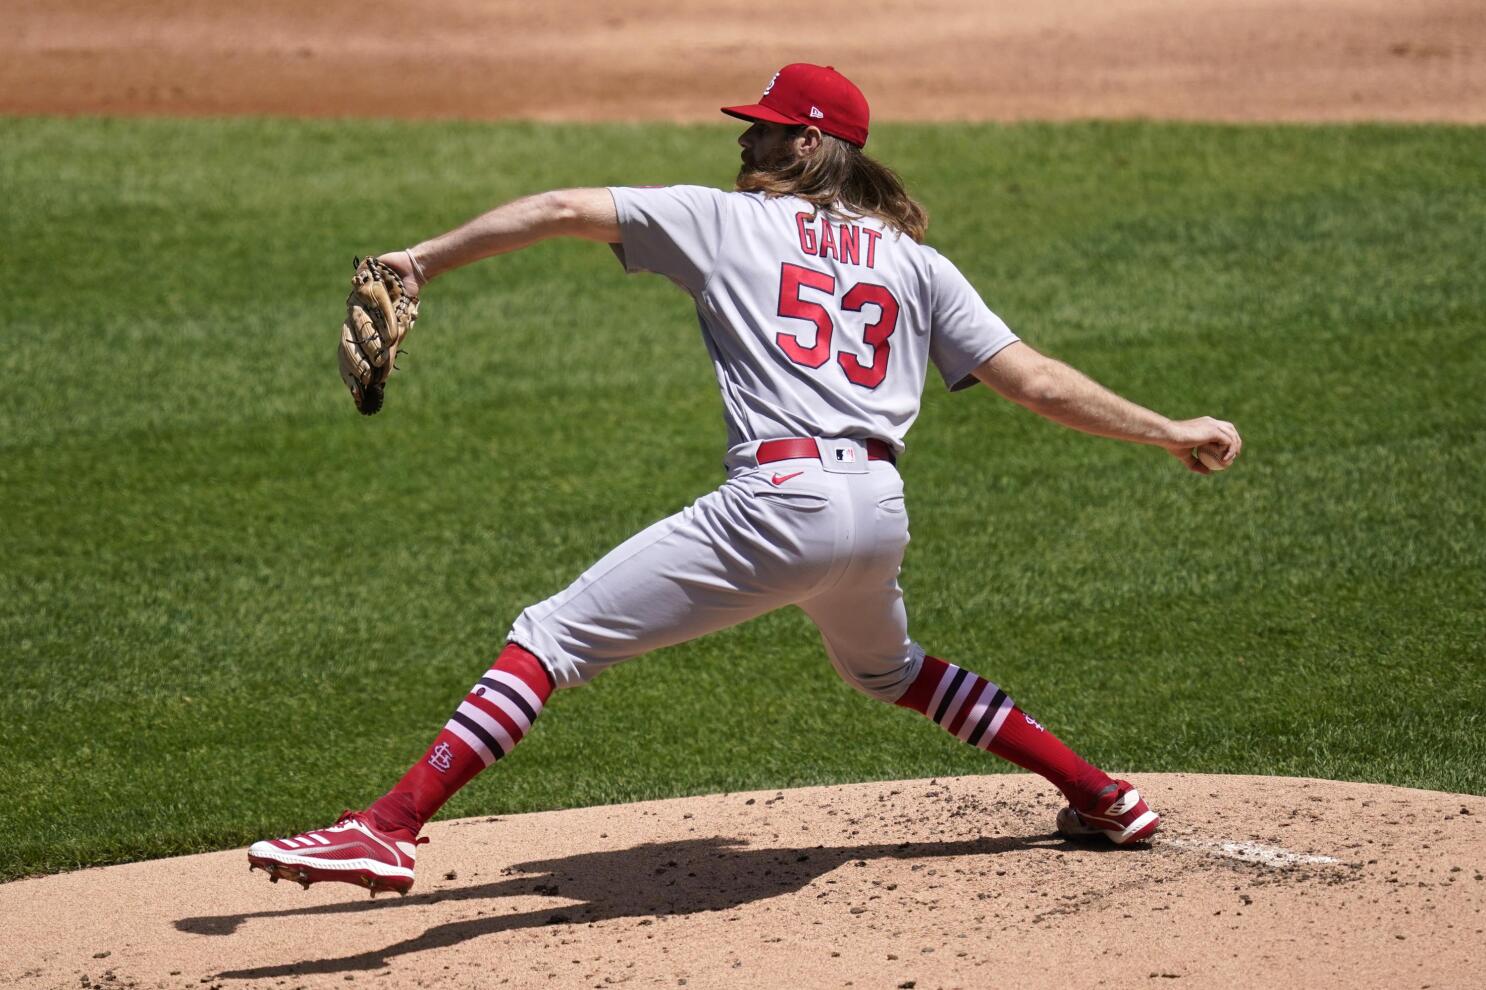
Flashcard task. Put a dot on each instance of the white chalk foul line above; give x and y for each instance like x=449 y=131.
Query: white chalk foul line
x=1251 y=852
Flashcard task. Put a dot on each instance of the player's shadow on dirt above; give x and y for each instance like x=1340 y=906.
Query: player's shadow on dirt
x=656 y=879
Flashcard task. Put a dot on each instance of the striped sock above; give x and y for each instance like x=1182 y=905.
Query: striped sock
x=974 y=710
x=489 y=722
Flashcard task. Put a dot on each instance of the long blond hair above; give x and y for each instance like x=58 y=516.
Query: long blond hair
x=841 y=177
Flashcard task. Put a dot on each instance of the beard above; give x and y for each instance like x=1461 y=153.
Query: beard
x=757 y=170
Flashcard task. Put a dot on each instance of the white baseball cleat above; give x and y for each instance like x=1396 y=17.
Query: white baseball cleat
x=1119 y=813
x=353 y=850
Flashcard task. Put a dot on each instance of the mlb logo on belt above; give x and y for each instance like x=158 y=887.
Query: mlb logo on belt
x=844 y=456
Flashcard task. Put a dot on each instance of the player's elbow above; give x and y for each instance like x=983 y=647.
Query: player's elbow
x=1040 y=390
x=559 y=209
x=1025 y=377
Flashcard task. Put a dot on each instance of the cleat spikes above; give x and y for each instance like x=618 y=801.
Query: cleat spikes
x=305 y=863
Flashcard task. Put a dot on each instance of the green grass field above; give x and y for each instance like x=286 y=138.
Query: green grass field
x=230 y=606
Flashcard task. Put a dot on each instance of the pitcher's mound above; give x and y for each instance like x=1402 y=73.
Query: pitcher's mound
x=947 y=883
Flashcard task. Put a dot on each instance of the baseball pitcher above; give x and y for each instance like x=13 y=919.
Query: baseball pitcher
x=823 y=311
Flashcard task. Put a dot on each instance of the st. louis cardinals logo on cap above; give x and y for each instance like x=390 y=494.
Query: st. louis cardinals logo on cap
x=802 y=93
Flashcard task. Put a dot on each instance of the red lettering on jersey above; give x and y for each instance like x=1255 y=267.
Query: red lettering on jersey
x=849 y=246
x=807 y=234
x=827 y=242
x=871 y=236
x=839 y=242
x=875 y=335
x=792 y=278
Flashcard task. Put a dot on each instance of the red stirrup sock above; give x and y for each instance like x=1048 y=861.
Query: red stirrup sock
x=978 y=712
x=487 y=725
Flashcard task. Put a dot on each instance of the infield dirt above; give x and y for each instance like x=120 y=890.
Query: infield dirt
x=959 y=882
x=587 y=60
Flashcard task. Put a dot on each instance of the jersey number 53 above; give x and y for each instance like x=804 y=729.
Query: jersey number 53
x=793 y=279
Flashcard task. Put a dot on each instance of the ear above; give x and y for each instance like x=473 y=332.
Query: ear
x=809 y=140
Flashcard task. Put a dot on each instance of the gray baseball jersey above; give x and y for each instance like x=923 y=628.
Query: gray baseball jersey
x=820 y=327
x=817 y=325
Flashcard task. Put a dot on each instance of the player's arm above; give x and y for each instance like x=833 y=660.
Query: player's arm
x=584 y=213
x=1064 y=395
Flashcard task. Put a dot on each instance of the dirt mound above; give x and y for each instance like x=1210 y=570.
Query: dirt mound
x=949 y=883
x=588 y=60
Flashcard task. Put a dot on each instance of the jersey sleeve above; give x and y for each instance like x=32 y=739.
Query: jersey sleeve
x=675 y=231
x=964 y=333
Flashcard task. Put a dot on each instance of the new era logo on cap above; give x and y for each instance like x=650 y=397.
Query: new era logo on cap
x=802 y=93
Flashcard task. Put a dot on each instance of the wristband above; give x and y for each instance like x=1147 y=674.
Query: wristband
x=417 y=268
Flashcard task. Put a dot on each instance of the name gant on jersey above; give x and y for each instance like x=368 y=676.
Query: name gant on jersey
x=847 y=243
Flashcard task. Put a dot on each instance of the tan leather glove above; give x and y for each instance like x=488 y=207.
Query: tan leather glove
x=379 y=314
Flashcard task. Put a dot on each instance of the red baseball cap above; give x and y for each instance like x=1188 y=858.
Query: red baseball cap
x=802 y=93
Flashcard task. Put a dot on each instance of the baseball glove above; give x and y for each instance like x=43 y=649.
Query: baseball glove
x=379 y=314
